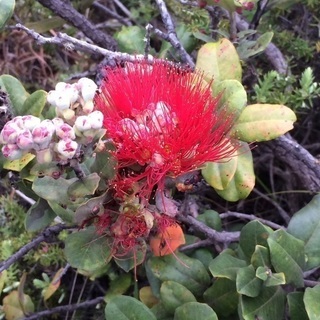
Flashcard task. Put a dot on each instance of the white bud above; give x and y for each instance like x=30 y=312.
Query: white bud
x=65 y=131
x=42 y=133
x=66 y=148
x=88 y=88
x=96 y=119
x=12 y=151
x=82 y=123
x=29 y=122
x=10 y=132
x=25 y=140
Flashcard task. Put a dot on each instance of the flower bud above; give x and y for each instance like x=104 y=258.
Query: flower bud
x=52 y=96
x=96 y=119
x=10 y=132
x=12 y=151
x=42 y=133
x=65 y=131
x=88 y=88
x=88 y=106
x=25 y=140
x=67 y=114
x=44 y=156
x=82 y=123
x=66 y=148
x=29 y=122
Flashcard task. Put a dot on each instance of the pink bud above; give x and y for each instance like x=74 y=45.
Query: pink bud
x=12 y=151
x=66 y=148
x=25 y=140
x=42 y=133
x=65 y=131
x=10 y=132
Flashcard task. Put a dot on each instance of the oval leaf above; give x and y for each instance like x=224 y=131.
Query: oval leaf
x=15 y=305
x=16 y=92
x=86 y=250
x=247 y=283
x=127 y=308
x=6 y=11
x=174 y=294
x=189 y=272
x=311 y=301
x=220 y=61
x=195 y=310
x=243 y=180
x=263 y=122
x=219 y=175
x=35 y=103
x=309 y=218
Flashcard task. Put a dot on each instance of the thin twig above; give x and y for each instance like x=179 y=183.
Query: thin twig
x=71 y=15
x=250 y=217
x=172 y=35
x=71 y=307
x=199 y=244
x=222 y=237
x=285 y=216
x=63 y=40
x=45 y=236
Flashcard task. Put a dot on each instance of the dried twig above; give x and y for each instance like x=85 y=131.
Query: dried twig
x=250 y=217
x=70 y=14
x=68 y=308
x=45 y=236
x=63 y=40
x=171 y=35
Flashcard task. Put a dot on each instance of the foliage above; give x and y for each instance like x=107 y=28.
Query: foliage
x=125 y=207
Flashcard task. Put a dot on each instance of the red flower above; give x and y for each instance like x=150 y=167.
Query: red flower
x=163 y=121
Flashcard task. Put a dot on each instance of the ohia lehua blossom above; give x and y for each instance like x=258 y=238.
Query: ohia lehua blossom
x=163 y=121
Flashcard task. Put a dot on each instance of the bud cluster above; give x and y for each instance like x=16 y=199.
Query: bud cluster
x=57 y=139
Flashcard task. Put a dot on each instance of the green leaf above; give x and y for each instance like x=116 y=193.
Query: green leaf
x=91 y=208
x=311 y=301
x=52 y=189
x=133 y=258
x=189 y=272
x=174 y=294
x=252 y=234
x=260 y=257
x=270 y=279
x=15 y=305
x=233 y=96
x=86 y=186
x=243 y=180
x=249 y=48
x=46 y=169
x=222 y=296
x=263 y=122
x=211 y=218
x=195 y=310
x=220 y=61
x=39 y=216
x=219 y=174
x=226 y=266
x=16 y=92
x=6 y=11
x=45 y=24
x=87 y=251
x=247 y=283
x=297 y=310
x=287 y=256
x=127 y=308
x=65 y=214
x=35 y=103
x=147 y=297
x=118 y=286
x=131 y=40
x=268 y=305
x=160 y=312
x=309 y=218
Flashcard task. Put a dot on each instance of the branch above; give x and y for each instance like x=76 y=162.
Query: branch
x=302 y=163
x=71 y=15
x=67 y=308
x=172 y=35
x=45 y=236
x=215 y=236
x=250 y=217
x=63 y=40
